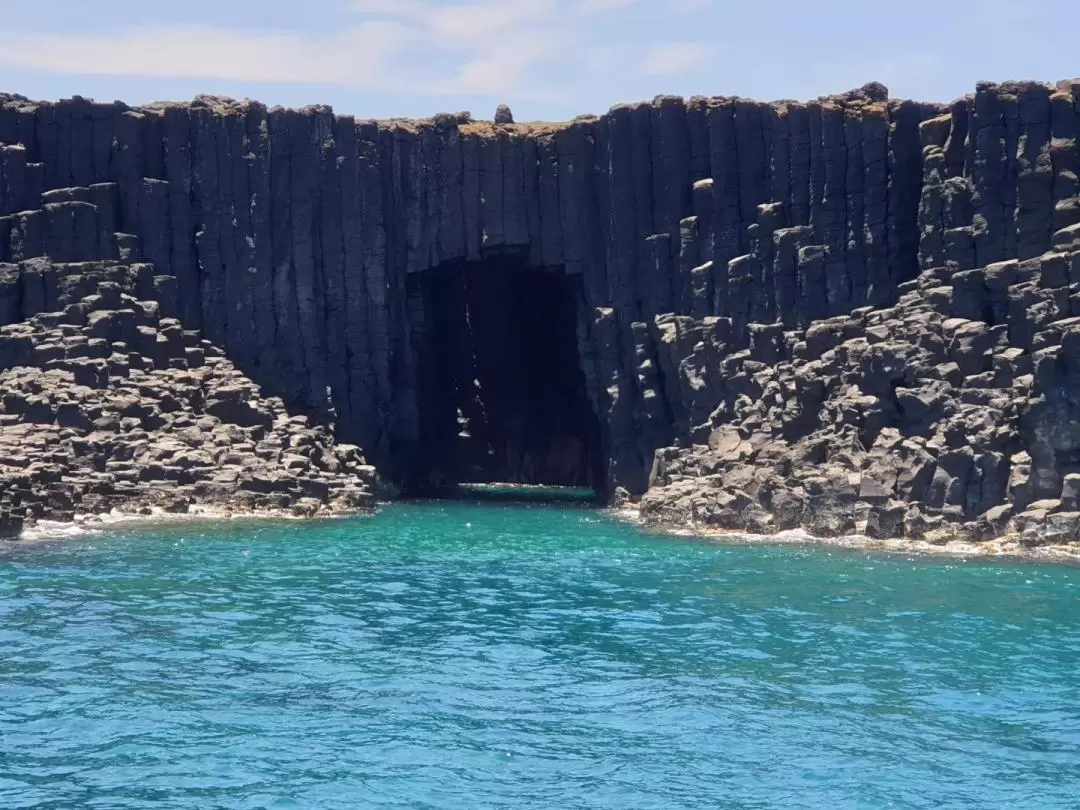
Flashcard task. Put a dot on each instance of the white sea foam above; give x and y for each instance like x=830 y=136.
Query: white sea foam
x=84 y=525
x=959 y=549
x=52 y=530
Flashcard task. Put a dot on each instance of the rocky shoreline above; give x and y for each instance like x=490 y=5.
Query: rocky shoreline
x=853 y=315
x=1000 y=548
x=86 y=526
x=109 y=406
x=922 y=421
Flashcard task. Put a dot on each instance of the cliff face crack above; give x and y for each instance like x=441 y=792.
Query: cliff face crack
x=854 y=309
x=501 y=394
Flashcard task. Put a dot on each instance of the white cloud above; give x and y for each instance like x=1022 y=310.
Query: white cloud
x=482 y=47
x=353 y=58
x=604 y=5
x=501 y=69
x=513 y=49
x=665 y=7
x=673 y=58
x=495 y=41
x=480 y=20
x=381 y=6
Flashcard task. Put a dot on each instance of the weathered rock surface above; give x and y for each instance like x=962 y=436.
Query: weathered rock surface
x=105 y=404
x=293 y=234
x=911 y=420
x=863 y=302
x=949 y=413
x=503 y=115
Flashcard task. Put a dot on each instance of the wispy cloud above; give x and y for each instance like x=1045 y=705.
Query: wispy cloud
x=592 y=6
x=354 y=58
x=500 y=70
x=549 y=58
x=686 y=6
x=673 y=58
x=478 y=20
x=484 y=47
x=495 y=42
x=541 y=50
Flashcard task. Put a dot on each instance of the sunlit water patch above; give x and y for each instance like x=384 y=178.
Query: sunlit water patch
x=453 y=655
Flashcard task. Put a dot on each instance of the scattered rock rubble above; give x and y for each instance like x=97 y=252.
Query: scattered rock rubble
x=108 y=405
x=953 y=415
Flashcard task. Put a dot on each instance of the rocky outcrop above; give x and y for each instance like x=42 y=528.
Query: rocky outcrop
x=914 y=420
x=704 y=241
x=949 y=413
x=107 y=404
x=292 y=233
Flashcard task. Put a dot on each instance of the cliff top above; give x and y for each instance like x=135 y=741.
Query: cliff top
x=871 y=97
x=873 y=93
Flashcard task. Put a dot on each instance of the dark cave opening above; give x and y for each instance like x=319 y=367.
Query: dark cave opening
x=501 y=394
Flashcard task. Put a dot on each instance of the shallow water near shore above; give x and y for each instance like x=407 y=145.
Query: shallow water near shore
x=463 y=655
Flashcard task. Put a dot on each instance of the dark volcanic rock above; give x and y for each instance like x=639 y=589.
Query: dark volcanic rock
x=503 y=115
x=85 y=435
x=851 y=313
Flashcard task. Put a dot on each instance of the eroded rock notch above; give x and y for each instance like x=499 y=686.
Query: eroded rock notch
x=501 y=391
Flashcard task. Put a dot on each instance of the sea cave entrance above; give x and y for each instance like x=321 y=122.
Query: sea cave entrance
x=501 y=394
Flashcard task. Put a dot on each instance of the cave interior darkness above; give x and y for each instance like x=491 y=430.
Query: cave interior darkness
x=501 y=394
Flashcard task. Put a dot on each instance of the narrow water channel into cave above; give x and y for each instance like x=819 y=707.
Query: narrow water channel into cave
x=502 y=397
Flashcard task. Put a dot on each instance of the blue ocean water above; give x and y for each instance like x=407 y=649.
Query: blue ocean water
x=449 y=655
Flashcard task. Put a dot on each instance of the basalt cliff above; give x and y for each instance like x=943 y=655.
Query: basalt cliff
x=851 y=314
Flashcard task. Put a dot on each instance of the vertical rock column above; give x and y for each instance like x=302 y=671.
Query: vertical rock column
x=727 y=230
x=992 y=218
x=904 y=171
x=1065 y=155
x=1034 y=172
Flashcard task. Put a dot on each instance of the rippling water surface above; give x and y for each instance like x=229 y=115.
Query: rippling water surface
x=463 y=656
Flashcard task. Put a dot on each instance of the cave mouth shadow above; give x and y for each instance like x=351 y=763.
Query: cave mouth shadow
x=501 y=396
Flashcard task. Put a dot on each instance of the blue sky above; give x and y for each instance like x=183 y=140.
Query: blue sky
x=549 y=59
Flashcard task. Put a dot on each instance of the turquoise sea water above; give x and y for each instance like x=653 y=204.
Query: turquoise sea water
x=451 y=655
